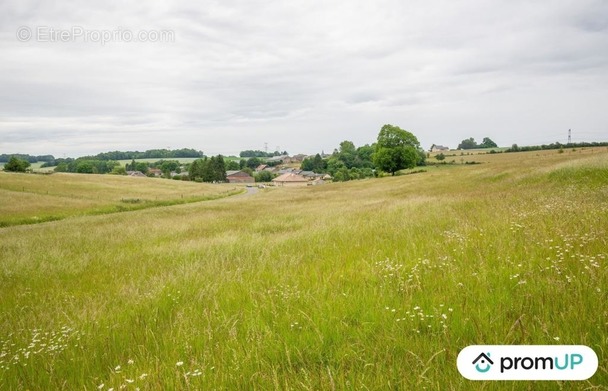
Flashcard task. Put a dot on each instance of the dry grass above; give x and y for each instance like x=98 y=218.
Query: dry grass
x=27 y=198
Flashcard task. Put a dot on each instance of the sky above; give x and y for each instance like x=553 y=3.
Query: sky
x=78 y=78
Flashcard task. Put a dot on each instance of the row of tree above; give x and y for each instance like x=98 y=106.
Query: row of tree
x=557 y=145
x=126 y=155
x=86 y=166
x=257 y=153
x=470 y=143
x=149 y=154
x=4 y=158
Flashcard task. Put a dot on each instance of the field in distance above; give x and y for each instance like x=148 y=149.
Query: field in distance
x=29 y=198
x=370 y=284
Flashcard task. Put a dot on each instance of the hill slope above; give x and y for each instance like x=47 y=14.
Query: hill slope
x=373 y=284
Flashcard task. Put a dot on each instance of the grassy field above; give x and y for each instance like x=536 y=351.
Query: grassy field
x=29 y=199
x=371 y=284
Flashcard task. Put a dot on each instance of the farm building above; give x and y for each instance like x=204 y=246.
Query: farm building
x=239 y=177
x=439 y=148
x=291 y=180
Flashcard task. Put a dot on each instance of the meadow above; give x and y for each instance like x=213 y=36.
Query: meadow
x=370 y=284
x=30 y=199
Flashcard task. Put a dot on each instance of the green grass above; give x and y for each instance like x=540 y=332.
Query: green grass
x=31 y=199
x=372 y=284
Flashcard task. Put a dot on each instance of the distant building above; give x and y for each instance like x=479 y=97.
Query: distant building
x=291 y=180
x=310 y=175
x=439 y=148
x=261 y=167
x=239 y=177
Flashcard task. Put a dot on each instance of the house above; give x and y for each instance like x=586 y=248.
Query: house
x=137 y=174
x=291 y=180
x=155 y=171
x=288 y=171
x=311 y=175
x=439 y=148
x=238 y=176
x=261 y=167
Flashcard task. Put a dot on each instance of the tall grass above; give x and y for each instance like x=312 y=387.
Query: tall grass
x=373 y=284
x=31 y=199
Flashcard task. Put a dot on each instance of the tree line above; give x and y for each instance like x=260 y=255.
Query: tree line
x=257 y=153
x=470 y=143
x=557 y=145
x=4 y=158
x=149 y=154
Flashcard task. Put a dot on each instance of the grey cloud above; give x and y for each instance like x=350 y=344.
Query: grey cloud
x=259 y=71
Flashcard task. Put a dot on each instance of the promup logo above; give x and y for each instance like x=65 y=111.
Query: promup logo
x=482 y=359
x=527 y=362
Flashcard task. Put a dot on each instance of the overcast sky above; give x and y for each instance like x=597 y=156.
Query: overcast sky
x=301 y=75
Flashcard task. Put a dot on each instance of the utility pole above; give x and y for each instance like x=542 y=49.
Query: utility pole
x=569 y=136
x=266 y=147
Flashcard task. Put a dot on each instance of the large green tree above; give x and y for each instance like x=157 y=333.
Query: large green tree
x=487 y=143
x=469 y=143
x=396 y=149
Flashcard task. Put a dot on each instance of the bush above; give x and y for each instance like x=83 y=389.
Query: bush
x=16 y=165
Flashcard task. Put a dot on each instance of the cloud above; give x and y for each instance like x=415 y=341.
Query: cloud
x=304 y=75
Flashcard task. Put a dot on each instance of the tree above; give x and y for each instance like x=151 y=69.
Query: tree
x=468 y=144
x=253 y=162
x=131 y=167
x=169 y=166
x=195 y=171
x=119 y=170
x=396 y=149
x=307 y=164
x=347 y=153
x=315 y=164
x=318 y=164
x=487 y=143
x=208 y=170
x=16 y=165
x=263 y=176
x=232 y=165
x=219 y=169
x=141 y=166
x=364 y=155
